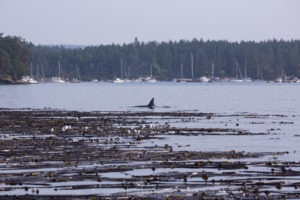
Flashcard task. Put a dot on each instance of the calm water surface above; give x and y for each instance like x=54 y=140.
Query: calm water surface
x=218 y=97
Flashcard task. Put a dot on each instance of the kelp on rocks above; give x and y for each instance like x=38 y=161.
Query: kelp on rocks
x=52 y=153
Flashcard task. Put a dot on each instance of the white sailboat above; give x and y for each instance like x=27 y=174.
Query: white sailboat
x=213 y=78
x=246 y=79
x=259 y=75
x=192 y=71
x=121 y=80
x=278 y=80
x=30 y=79
x=77 y=79
x=42 y=80
x=57 y=79
x=150 y=79
x=204 y=79
x=182 y=79
x=94 y=80
x=118 y=80
x=237 y=74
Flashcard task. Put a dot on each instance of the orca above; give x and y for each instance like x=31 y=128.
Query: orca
x=150 y=105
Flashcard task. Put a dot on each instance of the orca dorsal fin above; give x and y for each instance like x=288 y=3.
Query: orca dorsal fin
x=151 y=103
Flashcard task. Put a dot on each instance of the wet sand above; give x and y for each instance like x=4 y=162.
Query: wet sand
x=48 y=154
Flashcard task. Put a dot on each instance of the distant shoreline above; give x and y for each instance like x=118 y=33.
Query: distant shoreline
x=10 y=82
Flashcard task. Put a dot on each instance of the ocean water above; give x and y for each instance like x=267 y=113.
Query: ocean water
x=262 y=98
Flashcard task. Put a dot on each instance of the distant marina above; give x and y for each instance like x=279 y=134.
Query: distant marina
x=239 y=78
x=203 y=79
x=124 y=77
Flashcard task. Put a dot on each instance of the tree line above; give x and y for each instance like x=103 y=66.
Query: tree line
x=14 y=57
x=168 y=60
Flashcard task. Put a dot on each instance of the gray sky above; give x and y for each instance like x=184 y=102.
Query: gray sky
x=93 y=22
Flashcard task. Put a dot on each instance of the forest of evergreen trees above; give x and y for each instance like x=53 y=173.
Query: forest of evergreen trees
x=14 y=57
x=271 y=58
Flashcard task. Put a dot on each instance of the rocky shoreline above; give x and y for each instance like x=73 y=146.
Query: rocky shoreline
x=49 y=154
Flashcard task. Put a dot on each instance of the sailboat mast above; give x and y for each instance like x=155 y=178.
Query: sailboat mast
x=240 y=73
x=59 y=69
x=37 y=72
x=245 y=69
x=31 y=74
x=121 y=64
x=212 y=69
x=43 y=73
x=78 y=73
x=257 y=71
x=236 y=69
x=192 y=65
x=150 y=71
x=181 y=70
x=128 y=72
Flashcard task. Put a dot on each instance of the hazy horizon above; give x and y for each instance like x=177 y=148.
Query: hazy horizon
x=82 y=45
x=100 y=22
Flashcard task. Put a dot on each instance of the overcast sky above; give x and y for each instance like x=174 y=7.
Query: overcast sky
x=93 y=22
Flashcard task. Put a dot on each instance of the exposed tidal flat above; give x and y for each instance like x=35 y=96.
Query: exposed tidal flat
x=214 y=141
